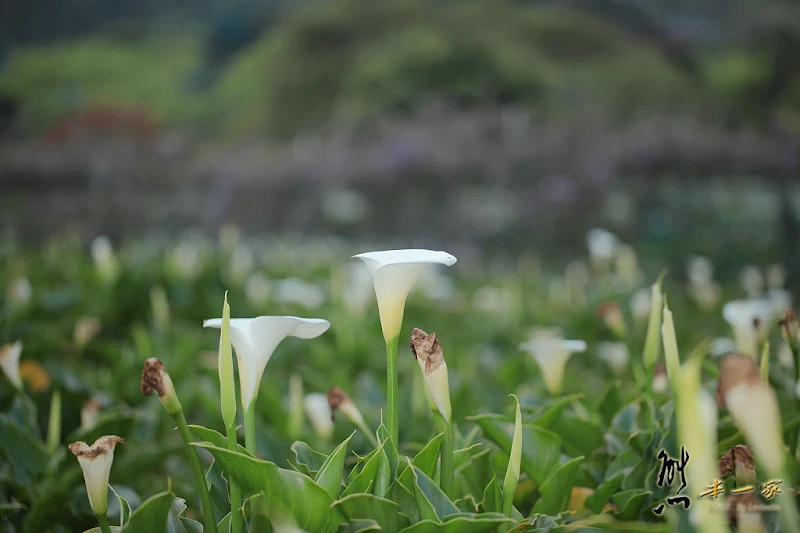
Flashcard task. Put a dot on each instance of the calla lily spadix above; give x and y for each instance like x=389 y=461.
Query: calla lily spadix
x=255 y=340
x=551 y=353
x=394 y=273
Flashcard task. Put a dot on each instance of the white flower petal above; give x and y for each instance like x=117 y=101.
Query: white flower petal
x=754 y=408
x=394 y=273
x=96 y=461
x=551 y=354
x=319 y=414
x=9 y=362
x=601 y=243
x=255 y=340
x=615 y=354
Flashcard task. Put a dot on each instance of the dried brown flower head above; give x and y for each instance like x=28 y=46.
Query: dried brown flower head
x=426 y=348
x=153 y=377
x=734 y=370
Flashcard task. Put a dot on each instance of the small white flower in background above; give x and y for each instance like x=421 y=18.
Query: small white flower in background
x=750 y=320
x=96 y=461
x=354 y=287
x=602 y=245
x=255 y=340
x=90 y=412
x=551 y=352
x=105 y=261
x=257 y=289
x=9 y=362
x=640 y=305
x=752 y=281
x=493 y=300
x=188 y=258
x=706 y=295
x=785 y=356
x=20 y=291
x=776 y=276
x=615 y=354
x=319 y=414
x=699 y=269
x=241 y=262
x=781 y=301
x=722 y=345
x=297 y=291
x=394 y=273
x=660 y=383
x=627 y=274
x=86 y=329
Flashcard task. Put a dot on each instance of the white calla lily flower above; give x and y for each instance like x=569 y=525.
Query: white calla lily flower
x=104 y=258
x=748 y=320
x=700 y=270
x=319 y=414
x=615 y=354
x=20 y=291
x=602 y=244
x=752 y=281
x=255 y=340
x=551 y=353
x=9 y=362
x=96 y=461
x=394 y=273
x=781 y=301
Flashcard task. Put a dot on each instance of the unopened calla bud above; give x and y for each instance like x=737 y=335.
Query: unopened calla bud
x=319 y=414
x=9 y=362
x=339 y=400
x=429 y=355
x=744 y=513
x=611 y=314
x=155 y=378
x=791 y=330
x=104 y=258
x=739 y=461
x=652 y=343
x=90 y=412
x=660 y=380
x=96 y=461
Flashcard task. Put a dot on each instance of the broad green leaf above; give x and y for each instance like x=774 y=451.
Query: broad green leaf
x=177 y=523
x=631 y=502
x=466 y=456
x=492 y=497
x=461 y=524
x=366 y=475
x=203 y=434
x=330 y=473
x=218 y=490
x=224 y=525
x=558 y=488
x=287 y=492
x=426 y=460
x=545 y=414
x=151 y=516
x=25 y=454
x=597 y=500
x=308 y=460
x=383 y=477
x=368 y=506
x=610 y=402
x=579 y=436
x=359 y=526
x=405 y=500
x=430 y=497
x=391 y=452
x=259 y=514
x=124 y=507
x=10 y=508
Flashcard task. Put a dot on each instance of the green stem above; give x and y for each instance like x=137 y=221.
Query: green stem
x=103 y=521
x=250 y=429
x=446 y=454
x=391 y=391
x=54 y=426
x=368 y=434
x=210 y=525
x=237 y=522
x=794 y=438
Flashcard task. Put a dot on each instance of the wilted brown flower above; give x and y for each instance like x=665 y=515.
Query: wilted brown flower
x=734 y=370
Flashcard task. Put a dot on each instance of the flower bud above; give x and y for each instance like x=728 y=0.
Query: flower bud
x=339 y=400
x=96 y=461
x=429 y=355
x=155 y=378
x=9 y=362
x=739 y=461
x=319 y=414
x=611 y=314
x=90 y=412
x=791 y=330
x=105 y=261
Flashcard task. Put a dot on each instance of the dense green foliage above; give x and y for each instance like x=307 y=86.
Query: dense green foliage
x=599 y=437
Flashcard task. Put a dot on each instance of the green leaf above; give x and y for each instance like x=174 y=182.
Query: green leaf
x=545 y=414
x=631 y=503
x=405 y=500
x=203 y=434
x=25 y=454
x=597 y=500
x=433 y=504
x=308 y=460
x=218 y=491
x=426 y=460
x=176 y=523
x=466 y=456
x=514 y=460
x=578 y=435
x=391 y=452
x=287 y=492
x=368 y=506
x=492 y=497
x=383 y=477
x=463 y=523
x=151 y=516
x=359 y=526
x=610 y=402
x=366 y=475
x=557 y=489
x=259 y=514
x=124 y=507
x=330 y=473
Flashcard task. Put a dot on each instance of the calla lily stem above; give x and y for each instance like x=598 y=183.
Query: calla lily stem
x=209 y=524
x=250 y=429
x=235 y=492
x=103 y=521
x=446 y=455
x=391 y=390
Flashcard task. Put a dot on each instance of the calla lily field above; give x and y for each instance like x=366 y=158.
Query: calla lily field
x=236 y=385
